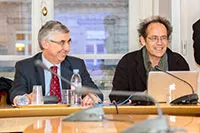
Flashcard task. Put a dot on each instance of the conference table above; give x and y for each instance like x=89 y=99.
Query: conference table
x=39 y=118
x=62 y=110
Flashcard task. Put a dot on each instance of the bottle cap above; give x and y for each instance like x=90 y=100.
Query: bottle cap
x=75 y=71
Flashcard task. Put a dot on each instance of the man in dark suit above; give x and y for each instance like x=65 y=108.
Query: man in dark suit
x=196 y=39
x=54 y=40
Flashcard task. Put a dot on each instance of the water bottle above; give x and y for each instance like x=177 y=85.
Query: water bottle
x=22 y=100
x=76 y=99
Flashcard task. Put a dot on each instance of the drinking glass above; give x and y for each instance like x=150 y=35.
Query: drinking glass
x=66 y=96
x=37 y=97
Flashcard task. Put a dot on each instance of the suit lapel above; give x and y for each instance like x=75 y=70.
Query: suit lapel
x=66 y=72
x=40 y=74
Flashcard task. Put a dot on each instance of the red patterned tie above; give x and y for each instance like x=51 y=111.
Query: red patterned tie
x=55 y=85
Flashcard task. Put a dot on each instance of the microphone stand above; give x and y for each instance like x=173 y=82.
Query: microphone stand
x=154 y=125
x=186 y=99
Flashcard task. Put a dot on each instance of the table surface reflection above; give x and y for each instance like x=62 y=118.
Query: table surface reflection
x=112 y=124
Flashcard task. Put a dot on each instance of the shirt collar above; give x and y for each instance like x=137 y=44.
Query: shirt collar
x=163 y=63
x=49 y=64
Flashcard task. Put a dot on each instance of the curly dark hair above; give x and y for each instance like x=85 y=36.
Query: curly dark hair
x=154 y=19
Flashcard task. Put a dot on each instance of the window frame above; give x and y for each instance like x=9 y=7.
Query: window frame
x=135 y=14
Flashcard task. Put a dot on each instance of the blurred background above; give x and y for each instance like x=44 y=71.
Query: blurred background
x=102 y=31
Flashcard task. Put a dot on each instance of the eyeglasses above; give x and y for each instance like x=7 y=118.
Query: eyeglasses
x=62 y=42
x=155 y=39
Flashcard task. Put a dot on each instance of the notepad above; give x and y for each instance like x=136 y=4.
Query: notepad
x=160 y=82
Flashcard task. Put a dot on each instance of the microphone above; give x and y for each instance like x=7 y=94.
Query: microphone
x=94 y=113
x=186 y=99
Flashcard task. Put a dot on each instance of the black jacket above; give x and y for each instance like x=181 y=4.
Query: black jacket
x=5 y=85
x=130 y=74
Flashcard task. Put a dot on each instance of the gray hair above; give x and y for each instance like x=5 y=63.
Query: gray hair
x=49 y=28
x=142 y=30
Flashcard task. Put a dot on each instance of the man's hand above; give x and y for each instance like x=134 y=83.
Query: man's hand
x=87 y=101
x=29 y=97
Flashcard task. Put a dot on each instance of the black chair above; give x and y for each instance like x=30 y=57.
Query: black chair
x=5 y=85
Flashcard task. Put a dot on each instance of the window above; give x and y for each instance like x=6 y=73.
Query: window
x=15 y=24
x=15 y=34
x=100 y=22
x=102 y=31
x=96 y=28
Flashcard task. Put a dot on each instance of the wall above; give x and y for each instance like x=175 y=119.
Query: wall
x=190 y=12
x=183 y=14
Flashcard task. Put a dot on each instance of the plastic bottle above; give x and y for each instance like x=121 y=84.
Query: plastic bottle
x=22 y=100
x=76 y=83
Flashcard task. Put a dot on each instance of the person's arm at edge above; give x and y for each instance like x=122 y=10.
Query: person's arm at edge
x=196 y=41
x=19 y=84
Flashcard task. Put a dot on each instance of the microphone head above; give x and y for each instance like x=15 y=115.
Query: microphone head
x=38 y=63
x=142 y=100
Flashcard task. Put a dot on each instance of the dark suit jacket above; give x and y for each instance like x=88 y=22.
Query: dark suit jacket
x=196 y=39
x=130 y=74
x=28 y=74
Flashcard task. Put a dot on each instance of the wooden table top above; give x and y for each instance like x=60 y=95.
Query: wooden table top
x=112 y=124
x=56 y=125
x=62 y=110
x=20 y=119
